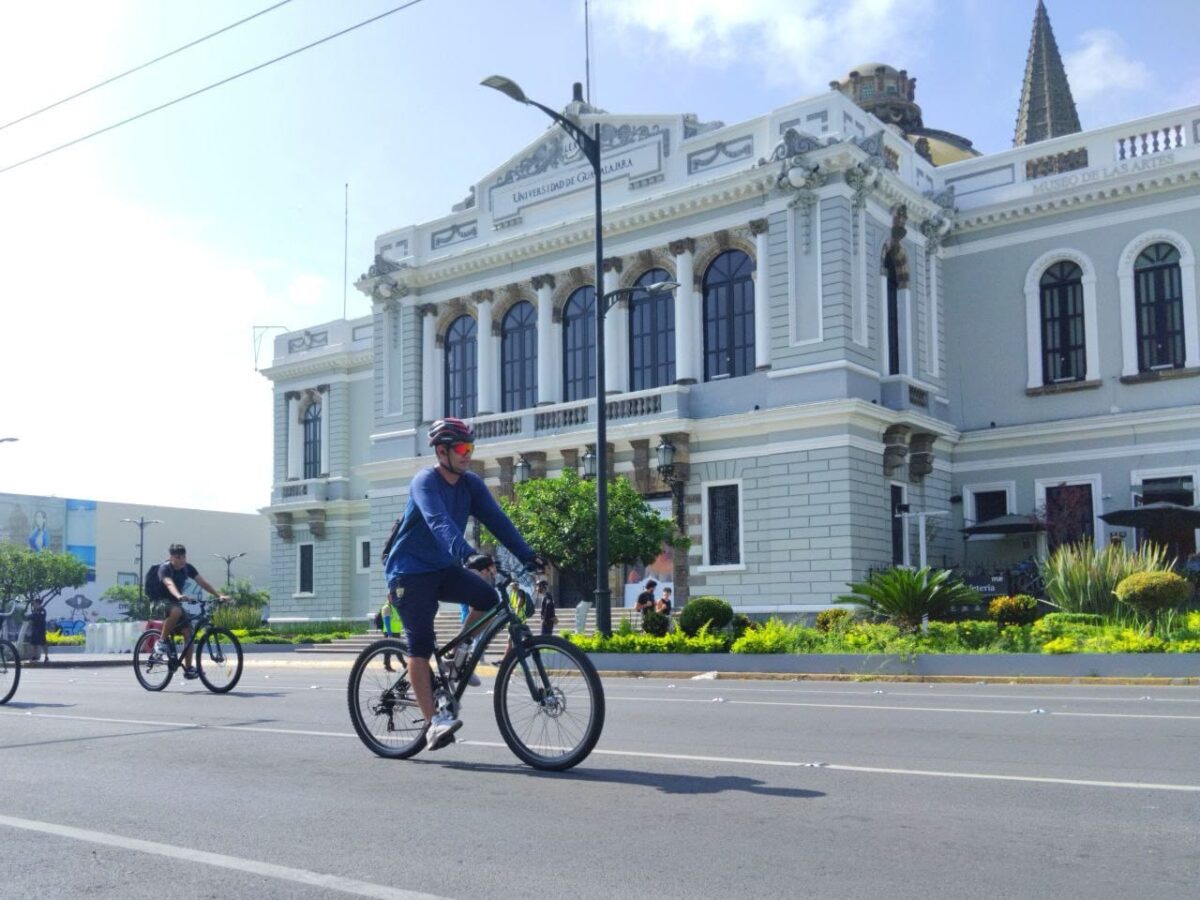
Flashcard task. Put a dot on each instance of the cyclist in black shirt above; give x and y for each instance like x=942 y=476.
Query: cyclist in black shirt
x=172 y=576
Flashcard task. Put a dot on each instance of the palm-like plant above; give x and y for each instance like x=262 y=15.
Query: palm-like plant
x=906 y=596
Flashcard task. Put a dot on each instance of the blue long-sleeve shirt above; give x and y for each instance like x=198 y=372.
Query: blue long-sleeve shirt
x=431 y=530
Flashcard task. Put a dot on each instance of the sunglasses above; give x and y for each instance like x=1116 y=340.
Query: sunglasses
x=463 y=448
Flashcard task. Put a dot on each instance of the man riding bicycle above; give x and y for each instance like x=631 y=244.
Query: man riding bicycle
x=425 y=564
x=172 y=577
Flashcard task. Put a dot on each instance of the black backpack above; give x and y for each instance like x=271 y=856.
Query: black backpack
x=390 y=542
x=153 y=584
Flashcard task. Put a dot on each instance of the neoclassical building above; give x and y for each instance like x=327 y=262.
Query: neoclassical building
x=866 y=351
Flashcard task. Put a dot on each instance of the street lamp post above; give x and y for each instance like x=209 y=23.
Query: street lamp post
x=141 y=522
x=229 y=558
x=589 y=146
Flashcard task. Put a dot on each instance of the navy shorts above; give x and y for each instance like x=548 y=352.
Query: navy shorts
x=419 y=596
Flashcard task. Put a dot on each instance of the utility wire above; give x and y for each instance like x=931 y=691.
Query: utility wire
x=157 y=59
x=209 y=87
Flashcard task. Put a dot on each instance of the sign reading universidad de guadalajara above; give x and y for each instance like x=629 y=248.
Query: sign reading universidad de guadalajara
x=631 y=161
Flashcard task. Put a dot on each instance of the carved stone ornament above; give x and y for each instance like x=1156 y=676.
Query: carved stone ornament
x=613 y=264
x=386 y=290
x=384 y=266
x=682 y=246
x=944 y=199
x=759 y=226
x=797 y=143
x=692 y=125
x=541 y=281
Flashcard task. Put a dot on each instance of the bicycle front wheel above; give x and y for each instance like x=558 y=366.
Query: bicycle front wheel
x=153 y=669
x=219 y=660
x=10 y=671
x=556 y=725
x=383 y=707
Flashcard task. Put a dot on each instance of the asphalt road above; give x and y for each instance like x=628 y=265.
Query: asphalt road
x=697 y=789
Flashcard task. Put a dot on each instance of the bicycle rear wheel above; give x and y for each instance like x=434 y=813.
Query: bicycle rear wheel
x=10 y=671
x=383 y=707
x=557 y=725
x=219 y=660
x=153 y=669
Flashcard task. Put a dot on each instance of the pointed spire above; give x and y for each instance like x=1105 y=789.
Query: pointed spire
x=1047 y=108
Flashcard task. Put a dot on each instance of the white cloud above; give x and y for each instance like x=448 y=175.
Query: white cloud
x=798 y=42
x=1100 y=68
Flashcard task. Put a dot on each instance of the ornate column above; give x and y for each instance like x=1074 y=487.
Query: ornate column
x=548 y=341
x=687 y=324
x=762 y=296
x=616 y=333
x=429 y=408
x=295 y=436
x=487 y=373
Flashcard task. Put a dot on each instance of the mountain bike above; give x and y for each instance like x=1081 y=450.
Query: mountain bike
x=10 y=669
x=218 y=655
x=548 y=699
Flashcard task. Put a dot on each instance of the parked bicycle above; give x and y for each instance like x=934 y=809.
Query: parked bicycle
x=10 y=667
x=548 y=699
x=218 y=655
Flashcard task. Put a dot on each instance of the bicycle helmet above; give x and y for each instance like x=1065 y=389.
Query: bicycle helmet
x=450 y=431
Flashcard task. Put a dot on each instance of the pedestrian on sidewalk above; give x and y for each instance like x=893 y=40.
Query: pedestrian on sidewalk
x=645 y=601
x=545 y=604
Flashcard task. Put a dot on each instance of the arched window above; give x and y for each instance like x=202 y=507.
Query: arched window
x=461 y=383
x=729 y=316
x=651 y=334
x=518 y=358
x=579 y=345
x=1158 y=292
x=312 y=441
x=1064 y=350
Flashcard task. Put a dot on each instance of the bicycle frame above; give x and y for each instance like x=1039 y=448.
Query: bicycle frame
x=200 y=626
x=497 y=618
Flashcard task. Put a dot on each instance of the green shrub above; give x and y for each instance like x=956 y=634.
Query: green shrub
x=1068 y=643
x=869 y=637
x=1016 y=610
x=906 y=596
x=655 y=623
x=1080 y=578
x=713 y=611
x=1015 y=639
x=833 y=619
x=1124 y=640
x=673 y=642
x=1057 y=625
x=228 y=616
x=1184 y=645
x=974 y=634
x=1151 y=592
x=773 y=636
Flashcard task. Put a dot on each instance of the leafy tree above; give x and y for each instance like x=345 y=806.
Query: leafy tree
x=37 y=575
x=557 y=517
x=906 y=596
x=244 y=595
x=134 y=605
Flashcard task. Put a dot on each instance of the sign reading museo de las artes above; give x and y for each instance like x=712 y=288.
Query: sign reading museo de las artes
x=558 y=168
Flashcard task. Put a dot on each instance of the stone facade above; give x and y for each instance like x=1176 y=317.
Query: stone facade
x=892 y=365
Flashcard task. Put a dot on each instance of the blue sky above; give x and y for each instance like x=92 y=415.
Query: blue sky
x=134 y=266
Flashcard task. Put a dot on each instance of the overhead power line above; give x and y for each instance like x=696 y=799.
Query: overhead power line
x=208 y=87
x=157 y=59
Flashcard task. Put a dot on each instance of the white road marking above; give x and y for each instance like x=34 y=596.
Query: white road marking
x=220 y=860
x=686 y=757
x=887 y=708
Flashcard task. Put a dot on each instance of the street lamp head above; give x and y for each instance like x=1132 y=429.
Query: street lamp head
x=666 y=455
x=506 y=86
x=522 y=471
x=7 y=440
x=589 y=464
x=660 y=287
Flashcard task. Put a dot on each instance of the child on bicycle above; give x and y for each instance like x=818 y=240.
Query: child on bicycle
x=425 y=564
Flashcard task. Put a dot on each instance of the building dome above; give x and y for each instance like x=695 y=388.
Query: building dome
x=890 y=94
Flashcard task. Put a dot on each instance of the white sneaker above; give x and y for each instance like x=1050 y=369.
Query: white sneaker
x=441 y=731
x=162 y=647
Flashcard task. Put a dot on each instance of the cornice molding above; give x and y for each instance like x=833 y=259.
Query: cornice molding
x=335 y=362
